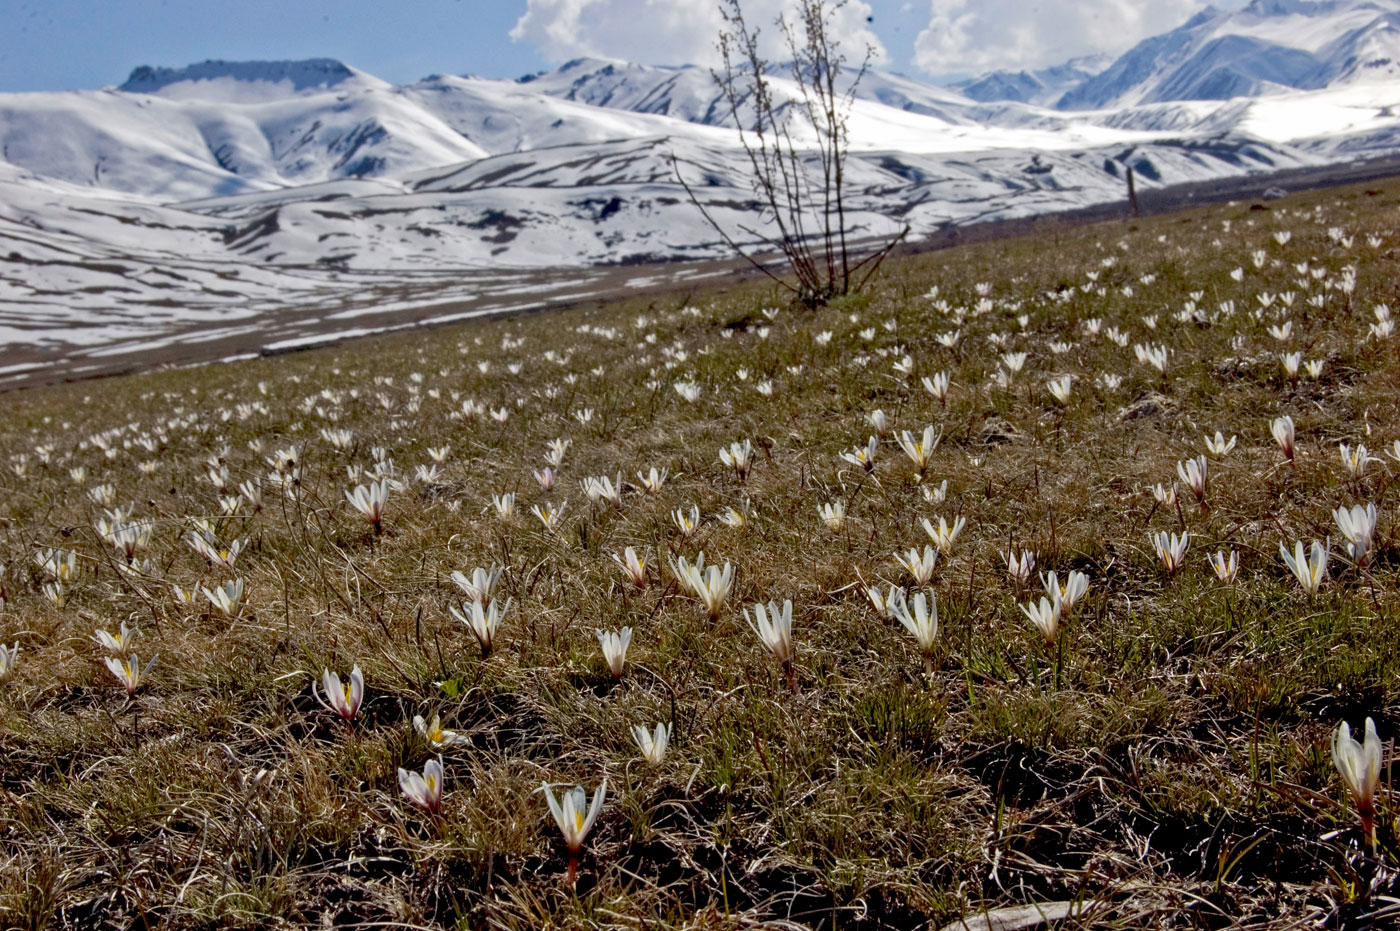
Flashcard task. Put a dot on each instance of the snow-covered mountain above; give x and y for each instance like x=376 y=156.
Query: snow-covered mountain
x=227 y=196
x=689 y=92
x=1269 y=47
x=247 y=81
x=1043 y=87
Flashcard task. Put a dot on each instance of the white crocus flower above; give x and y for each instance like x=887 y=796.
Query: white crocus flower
x=1226 y=568
x=1171 y=549
x=885 y=603
x=864 y=456
x=425 y=791
x=9 y=656
x=879 y=421
x=205 y=545
x=369 y=500
x=1355 y=459
x=549 y=515
x=555 y=449
x=227 y=598
x=1359 y=764
x=614 y=647
x=833 y=514
x=935 y=494
x=735 y=517
x=60 y=565
x=1310 y=569
x=920 y=449
x=1358 y=525
x=1109 y=381
x=653 y=481
x=1195 y=474
x=481 y=586
x=602 y=488
x=919 y=616
x=1076 y=586
x=1045 y=615
x=708 y=583
x=652 y=743
x=1019 y=568
x=937 y=386
x=687 y=522
x=944 y=536
x=1155 y=356
x=773 y=625
x=434 y=733
x=574 y=823
x=739 y=457
x=342 y=699
x=119 y=644
x=633 y=566
x=920 y=565
x=1285 y=435
x=1218 y=445
x=483 y=621
x=129 y=671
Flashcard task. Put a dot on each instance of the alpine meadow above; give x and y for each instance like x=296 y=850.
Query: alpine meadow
x=737 y=487
x=1053 y=572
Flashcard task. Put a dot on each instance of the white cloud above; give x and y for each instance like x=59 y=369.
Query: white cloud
x=986 y=35
x=668 y=32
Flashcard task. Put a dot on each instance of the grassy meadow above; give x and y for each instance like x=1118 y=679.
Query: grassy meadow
x=1155 y=749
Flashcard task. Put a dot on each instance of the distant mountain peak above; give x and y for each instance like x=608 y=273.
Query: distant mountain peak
x=1286 y=7
x=1041 y=87
x=302 y=75
x=1255 y=51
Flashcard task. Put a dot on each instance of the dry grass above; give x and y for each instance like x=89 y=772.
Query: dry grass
x=1169 y=758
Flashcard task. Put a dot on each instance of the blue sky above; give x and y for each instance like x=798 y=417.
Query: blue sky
x=69 y=44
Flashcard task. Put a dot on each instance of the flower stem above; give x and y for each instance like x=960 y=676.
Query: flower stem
x=791 y=678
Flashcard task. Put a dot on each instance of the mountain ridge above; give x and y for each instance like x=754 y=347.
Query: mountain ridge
x=1270 y=46
x=302 y=74
x=224 y=191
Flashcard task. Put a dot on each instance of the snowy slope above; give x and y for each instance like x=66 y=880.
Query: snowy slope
x=183 y=148
x=507 y=116
x=690 y=94
x=1041 y=87
x=276 y=198
x=1270 y=46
